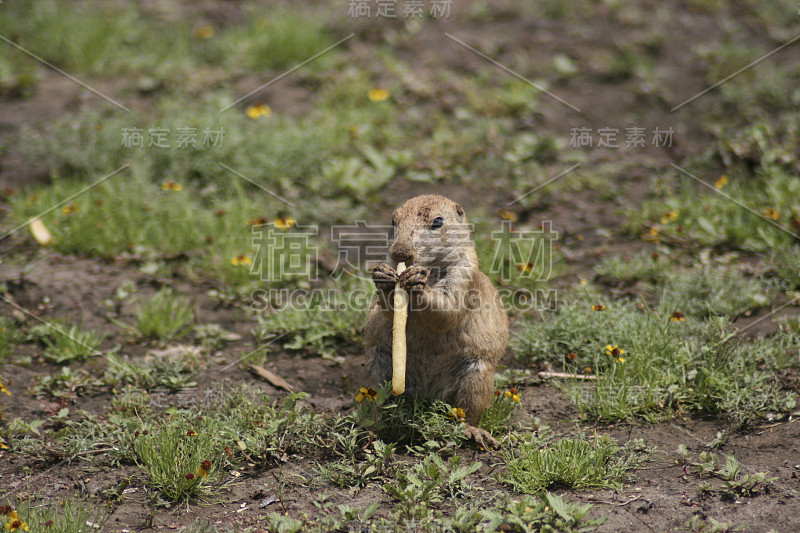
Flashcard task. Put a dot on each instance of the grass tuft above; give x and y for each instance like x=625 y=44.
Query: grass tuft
x=165 y=316
x=180 y=459
x=548 y=463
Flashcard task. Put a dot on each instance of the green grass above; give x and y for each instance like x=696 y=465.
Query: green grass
x=752 y=166
x=640 y=266
x=272 y=151
x=10 y=336
x=335 y=518
x=729 y=480
x=136 y=218
x=275 y=39
x=67 y=344
x=346 y=154
x=328 y=322
x=66 y=385
x=165 y=316
x=175 y=371
x=239 y=427
x=103 y=440
x=402 y=425
x=263 y=432
x=174 y=457
x=517 y=259
x=427 y=484
x=104 y=41
x=202 y=526
x=359 y=469
x=710 y=219
x=18 y=75
x=417 y=425
x=543 y=512
x=503 y=412
x=180 y=202
x=89 y=40
x=70 y=516
x=701 y=291
x=716 y=291
x=728 y=57
x=544 y=462
x=212 y=337
x=669 y=364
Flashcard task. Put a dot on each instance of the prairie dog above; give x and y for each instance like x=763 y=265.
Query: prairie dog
x=457 y=326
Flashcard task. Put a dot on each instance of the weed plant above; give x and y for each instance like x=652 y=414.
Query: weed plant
x=165 y=316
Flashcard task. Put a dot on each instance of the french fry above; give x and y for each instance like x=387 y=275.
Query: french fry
x=399 y=337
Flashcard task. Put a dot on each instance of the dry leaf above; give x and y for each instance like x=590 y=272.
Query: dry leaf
x=272 y=377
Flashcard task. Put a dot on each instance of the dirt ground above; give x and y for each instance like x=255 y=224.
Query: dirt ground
x=664 y=496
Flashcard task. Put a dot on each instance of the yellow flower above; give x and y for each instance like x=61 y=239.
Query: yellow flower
x=508 y=394
x=721 y=182
x=203 y=32
x=284 y=223
x=257 y=111
x=771 y=213
x=257 y=221
x=378 y=95
x=598 y=307
x=3 y=388
x=203 y=469
x=509 y=215
x=70 y=208
x=3 y=445
x=369 y=394
x=527 y=268
x=652 y=235
x=515 y=398
x=616 y=352
x=677 y=316
x=458 y=413
x=171 y=186
x=241 y=260
x=15 y=524
x=669 y=216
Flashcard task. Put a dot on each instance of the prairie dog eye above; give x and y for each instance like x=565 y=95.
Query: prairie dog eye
x=438 y=222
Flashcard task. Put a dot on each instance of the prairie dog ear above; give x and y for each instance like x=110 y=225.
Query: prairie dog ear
x=459 y=210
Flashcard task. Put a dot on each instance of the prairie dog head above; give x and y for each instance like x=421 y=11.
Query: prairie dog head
x=431 y=231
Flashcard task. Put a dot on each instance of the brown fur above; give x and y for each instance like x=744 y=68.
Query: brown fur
x=457 y=326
